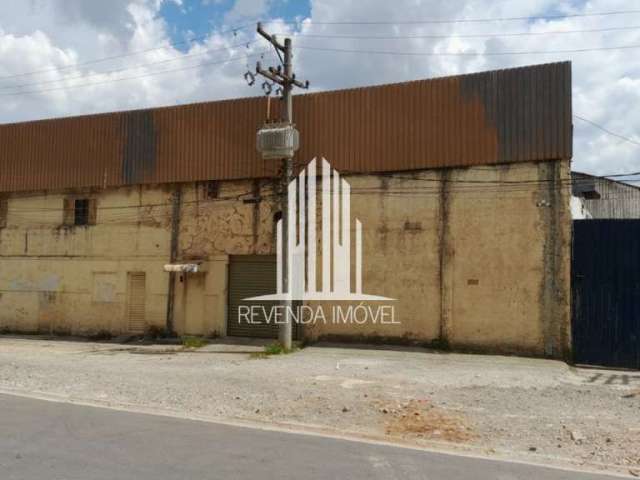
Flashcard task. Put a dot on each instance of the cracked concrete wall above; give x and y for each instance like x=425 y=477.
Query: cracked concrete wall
x=237 y=220
x=476 y=258
x=62 y=279
x=400 y=243
x=509 y=272
x=56 y=278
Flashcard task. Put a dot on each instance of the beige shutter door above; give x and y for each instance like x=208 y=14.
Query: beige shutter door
x=136 y=300
x=69 y=211
x=93 y=211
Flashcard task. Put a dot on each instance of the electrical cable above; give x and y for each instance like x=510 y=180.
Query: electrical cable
x=115 y=57
x=134 y=77
x=459 y=186
x=462 y=20
x=466 y=54
x=456 y=35
x=119 y=70
x=622 y=137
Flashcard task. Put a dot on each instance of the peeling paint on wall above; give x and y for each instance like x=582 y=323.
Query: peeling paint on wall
x=468 y=267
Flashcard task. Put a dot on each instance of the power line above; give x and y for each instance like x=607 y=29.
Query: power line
x=622 y=137
x=359 y=37
x=125 y=55
x=630 y=174
x=175 y=59
x=107 y=215
x=119 y=70
x=465 y=54
x=456 y=35
x=467 y=20
x=205 y=201
x=432 y=185
x=198 y=65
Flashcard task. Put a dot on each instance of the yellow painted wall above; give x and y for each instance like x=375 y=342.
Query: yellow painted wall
x=477 y=258
x=466 y=253
x=74 y=279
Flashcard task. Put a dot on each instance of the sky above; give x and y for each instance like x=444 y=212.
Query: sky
x=70 y=57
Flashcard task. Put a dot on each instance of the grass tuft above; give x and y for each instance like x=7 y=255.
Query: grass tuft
x=193 y=342
x=272 y=349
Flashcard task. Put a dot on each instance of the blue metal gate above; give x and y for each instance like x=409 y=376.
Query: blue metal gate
x=606 y=292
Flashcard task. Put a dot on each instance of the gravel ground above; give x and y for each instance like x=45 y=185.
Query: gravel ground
x=536 y=410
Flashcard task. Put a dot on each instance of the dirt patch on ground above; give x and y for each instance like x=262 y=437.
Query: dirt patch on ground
x=422 y=419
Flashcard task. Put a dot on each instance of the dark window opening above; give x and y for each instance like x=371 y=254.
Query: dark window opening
x=81 y=211
x=591 y=195
x=208 y=189
x=4 y=207
x=213 y=188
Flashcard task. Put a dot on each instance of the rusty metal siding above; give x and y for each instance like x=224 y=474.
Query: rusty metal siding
x=513 y=115
x=139 y=152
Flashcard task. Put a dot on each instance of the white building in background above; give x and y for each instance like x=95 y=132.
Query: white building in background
x=596 y=197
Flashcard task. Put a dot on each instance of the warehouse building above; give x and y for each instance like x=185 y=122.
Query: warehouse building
x=601 y=197
x=127 y=221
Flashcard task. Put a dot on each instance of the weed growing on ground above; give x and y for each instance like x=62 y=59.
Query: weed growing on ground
x=275 y=348
x=193 y=342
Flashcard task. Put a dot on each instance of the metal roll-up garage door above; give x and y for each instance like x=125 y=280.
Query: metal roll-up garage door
x=250 y=276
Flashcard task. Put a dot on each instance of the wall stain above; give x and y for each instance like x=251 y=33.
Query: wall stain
x=139 y=149
x=444 y=255
x=550 y=294
x=383 y=229
x=255 y=225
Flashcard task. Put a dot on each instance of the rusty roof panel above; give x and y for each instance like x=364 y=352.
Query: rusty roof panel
x=502 y=116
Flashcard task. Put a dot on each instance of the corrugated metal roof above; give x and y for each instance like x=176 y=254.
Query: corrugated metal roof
x=501 y=116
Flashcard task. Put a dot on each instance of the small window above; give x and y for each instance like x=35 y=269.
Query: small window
x=213 y=188
x=208 y=190
x=79 y=211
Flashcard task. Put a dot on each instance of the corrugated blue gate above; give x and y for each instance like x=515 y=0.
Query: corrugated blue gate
x=606 y=292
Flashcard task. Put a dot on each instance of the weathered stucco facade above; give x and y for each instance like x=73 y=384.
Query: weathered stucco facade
x=460 y=185
x=475 y=257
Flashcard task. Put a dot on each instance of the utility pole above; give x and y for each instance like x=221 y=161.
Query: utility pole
x=283 y=75
x=176 y=202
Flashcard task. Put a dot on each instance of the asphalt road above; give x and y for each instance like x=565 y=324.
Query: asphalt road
x=54 y=441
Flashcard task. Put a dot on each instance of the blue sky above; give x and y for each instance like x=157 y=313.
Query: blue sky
x=198 y=17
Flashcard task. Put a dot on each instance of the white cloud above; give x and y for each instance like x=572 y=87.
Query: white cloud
x=248 y=9
x=66 y=84
x=605 y=83
x=58 y=37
